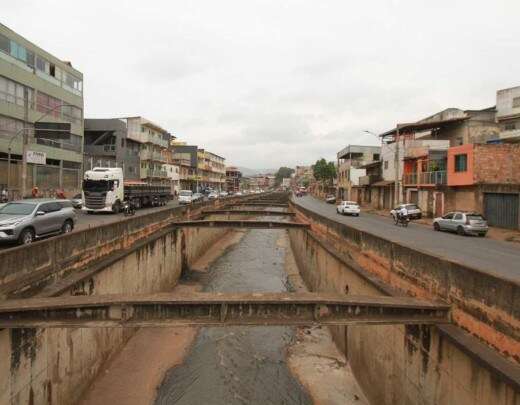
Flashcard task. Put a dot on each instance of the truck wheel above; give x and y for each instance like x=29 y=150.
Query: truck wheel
x=116 y=208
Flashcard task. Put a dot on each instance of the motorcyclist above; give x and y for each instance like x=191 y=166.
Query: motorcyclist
x=5 y=195
x=402 y=213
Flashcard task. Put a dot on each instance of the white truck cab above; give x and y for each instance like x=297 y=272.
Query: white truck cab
x=103 y=189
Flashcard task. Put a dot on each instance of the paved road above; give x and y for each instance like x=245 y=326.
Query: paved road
x=86 y=221
x=501 y=259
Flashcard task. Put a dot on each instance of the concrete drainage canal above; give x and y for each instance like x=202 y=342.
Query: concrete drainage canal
x=241 y=365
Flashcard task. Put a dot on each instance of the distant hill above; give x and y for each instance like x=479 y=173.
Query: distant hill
x=253 y=172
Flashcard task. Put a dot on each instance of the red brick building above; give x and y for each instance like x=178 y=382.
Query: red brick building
x=485 y=178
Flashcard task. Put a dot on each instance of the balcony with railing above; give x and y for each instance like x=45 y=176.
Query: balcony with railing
x=369 y=179
x=100 y=150
x=425 y=178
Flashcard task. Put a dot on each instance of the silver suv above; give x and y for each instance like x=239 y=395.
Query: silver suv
x=464 y=223
x=25 y=220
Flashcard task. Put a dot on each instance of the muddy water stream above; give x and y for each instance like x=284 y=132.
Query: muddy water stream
x=239 y=365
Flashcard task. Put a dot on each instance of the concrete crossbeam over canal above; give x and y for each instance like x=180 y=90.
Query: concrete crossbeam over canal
x=218 y=309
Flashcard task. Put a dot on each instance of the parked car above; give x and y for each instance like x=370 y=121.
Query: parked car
x=238 y=194
x=414 y=212
x=185 y=197
x=348 y=208
x=212 y=196
x=224 y=194
x=330 y=199
x=24 y=221
x=197 y=197
x=77 y=201
x=464 y=223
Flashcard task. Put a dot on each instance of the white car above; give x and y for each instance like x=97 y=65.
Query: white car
x=224 y=193
x=238 y=194
x=185 y=196
x=348 y=208
x=212 y=196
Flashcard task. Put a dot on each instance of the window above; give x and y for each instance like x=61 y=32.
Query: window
x=516 y=102
x=457 y=217
x=4 y=44
x=386 y=164
x=13 y=92
x=376 y=156
x=448 y=216
x=510 y=126
x=461 y=163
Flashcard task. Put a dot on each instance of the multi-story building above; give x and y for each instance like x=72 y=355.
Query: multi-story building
x=350 y=160
x=186 y=158
x=107 y=145
x=37 y=86
x=508 y=114
x=211 y=169
x=136 y=144
x=154 y=148
x=414 y=155
x=485 y=178
x=233 y=176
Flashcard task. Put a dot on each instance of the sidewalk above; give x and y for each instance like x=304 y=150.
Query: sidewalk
x=502 y=234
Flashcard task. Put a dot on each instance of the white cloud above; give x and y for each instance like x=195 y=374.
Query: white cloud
x=268 y=83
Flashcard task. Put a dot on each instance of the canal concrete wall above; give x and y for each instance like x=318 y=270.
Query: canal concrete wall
x=416 y=364
x=139 y=255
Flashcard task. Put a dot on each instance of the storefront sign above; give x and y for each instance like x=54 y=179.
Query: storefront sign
x=38 y=158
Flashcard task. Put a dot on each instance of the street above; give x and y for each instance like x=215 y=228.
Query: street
x=498 y=258
x=102 y=218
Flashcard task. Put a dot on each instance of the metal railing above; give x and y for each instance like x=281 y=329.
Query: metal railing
x=436 y=177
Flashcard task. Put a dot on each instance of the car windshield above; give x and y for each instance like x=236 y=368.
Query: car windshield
x=475 y=217
x=17 y=209
x=77 y=197
x=185 y=193
x=411 y=207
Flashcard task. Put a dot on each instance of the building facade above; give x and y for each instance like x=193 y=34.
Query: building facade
x=186 y=158
x=37 y=86
x=485 y=178
x=233 y=176
x=349 y=167
x=107 y=145
x=508 y=114
x=211 y=170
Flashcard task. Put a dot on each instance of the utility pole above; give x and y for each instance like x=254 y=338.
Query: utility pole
x=397 y=198
x=25 y=142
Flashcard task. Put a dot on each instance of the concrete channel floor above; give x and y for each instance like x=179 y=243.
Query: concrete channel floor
x=501 y=259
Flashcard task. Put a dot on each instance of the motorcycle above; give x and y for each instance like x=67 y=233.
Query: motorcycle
x=128 y=208
x=402 y=220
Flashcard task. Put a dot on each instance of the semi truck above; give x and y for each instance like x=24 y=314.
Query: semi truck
x=104 y=190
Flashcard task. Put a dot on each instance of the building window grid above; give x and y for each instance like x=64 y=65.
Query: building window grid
x=21 y=53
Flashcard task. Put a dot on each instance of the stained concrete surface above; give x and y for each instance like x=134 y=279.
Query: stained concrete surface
x=239 y=365
x=497 y=258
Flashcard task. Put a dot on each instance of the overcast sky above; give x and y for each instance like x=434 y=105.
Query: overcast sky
x=273 y=82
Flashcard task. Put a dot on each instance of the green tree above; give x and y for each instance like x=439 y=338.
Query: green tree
x=323 y=171
x=283 y=172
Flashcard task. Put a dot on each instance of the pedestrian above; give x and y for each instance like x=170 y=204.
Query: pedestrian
x=60 y=194
x=34 y=192
x=5 y=196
